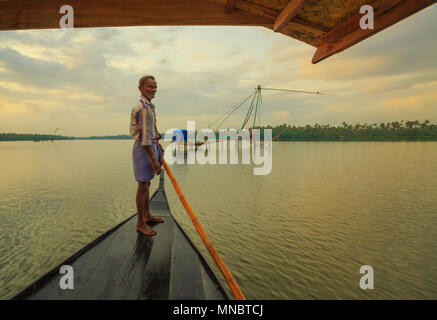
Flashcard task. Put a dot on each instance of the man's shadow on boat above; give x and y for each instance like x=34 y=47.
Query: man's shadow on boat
x=143 y=247
x=133 y=282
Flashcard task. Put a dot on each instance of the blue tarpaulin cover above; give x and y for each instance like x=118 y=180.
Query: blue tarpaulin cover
x=176 y=134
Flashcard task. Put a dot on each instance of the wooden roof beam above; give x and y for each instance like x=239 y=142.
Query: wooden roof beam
x=288 y=13
x=273 y=14
x=229 y=5
x=349 y=32
x=353 y=23
x=31 y=14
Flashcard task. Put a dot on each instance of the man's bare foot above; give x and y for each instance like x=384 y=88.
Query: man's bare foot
x=146 y=230
x=151 y=218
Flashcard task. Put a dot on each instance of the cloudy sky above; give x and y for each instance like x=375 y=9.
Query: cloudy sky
x=85 y=80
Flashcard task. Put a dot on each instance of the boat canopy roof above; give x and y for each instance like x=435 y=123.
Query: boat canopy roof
x=329 y=25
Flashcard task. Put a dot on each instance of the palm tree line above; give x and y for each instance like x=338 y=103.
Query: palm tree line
x=384 y=131
x=397 y=130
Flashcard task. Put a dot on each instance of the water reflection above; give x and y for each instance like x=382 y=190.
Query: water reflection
x=301 y=232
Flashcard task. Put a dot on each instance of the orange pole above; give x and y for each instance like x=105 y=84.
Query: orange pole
x=236 y=291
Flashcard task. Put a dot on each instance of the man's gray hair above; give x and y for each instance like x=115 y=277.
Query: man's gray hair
x=144 y=78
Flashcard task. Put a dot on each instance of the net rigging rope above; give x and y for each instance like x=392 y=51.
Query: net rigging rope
x=230 y=112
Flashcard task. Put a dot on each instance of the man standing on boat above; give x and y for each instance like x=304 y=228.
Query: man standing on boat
x=146 y=153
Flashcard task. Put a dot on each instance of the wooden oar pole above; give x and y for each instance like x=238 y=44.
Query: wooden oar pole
x=236 y=291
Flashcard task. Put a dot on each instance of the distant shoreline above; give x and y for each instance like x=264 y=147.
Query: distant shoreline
x=46 y=137
x=389 y=131
x=363 y=139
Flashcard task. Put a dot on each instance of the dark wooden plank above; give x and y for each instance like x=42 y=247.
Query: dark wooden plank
x=119 y=271
x=113 y=269
x=159 y=202
x=157 y=277
x=122 y=264
x=186 y=280
x=159 y=208
x=159 y=197
x=47 y=287
x=82 y=267
x=211 y=287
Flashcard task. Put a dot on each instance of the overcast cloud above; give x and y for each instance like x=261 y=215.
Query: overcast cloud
x=85 y=80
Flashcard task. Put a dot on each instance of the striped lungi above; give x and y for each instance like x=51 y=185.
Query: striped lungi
x=141 y=161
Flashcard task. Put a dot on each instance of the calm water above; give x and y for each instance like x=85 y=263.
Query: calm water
x=302 y=232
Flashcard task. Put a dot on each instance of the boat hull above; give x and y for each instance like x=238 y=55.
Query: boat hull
x=123 y=264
